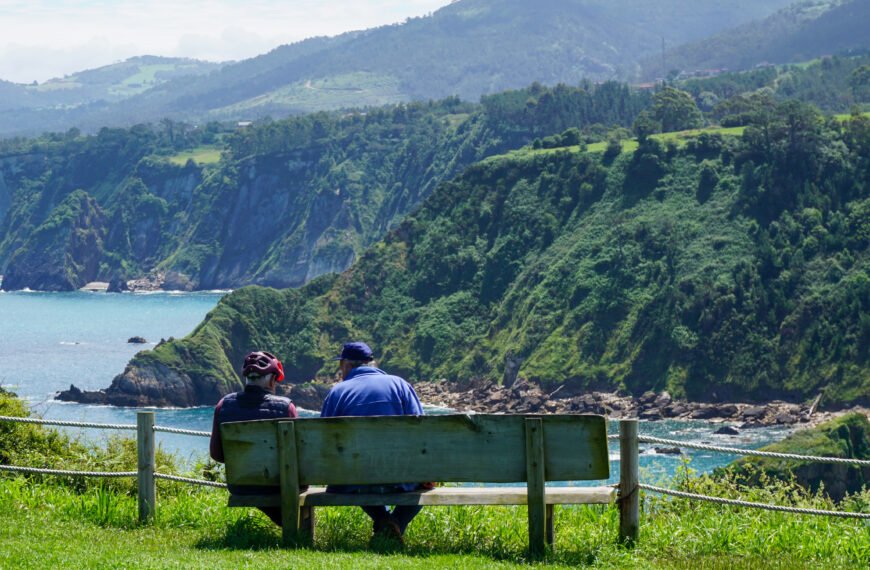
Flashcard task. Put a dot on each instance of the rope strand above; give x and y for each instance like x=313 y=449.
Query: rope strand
x=752 y=452
x=738 y=503
x=66 y=423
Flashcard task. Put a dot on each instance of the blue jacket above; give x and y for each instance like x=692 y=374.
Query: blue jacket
x=369 y=391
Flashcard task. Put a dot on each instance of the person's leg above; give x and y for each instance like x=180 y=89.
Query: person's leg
x=273 y=513
x=404 y=514
x=379 y=515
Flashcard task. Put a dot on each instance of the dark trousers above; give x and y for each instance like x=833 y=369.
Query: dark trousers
x=402 y=515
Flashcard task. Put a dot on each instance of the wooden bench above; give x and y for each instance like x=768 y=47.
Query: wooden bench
x=289 y=454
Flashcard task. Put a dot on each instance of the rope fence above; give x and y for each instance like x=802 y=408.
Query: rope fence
x=66 y=423
x=629 y=451
x=190 y=480
x=753 y=452
x=183 y=431
x=764 y=506
x=42 y=471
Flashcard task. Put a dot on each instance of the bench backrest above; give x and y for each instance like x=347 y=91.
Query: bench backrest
x=375 y=450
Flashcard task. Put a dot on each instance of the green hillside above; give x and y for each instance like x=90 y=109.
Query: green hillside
x=275 y=203
x=728 y=269
x=800 y=32
x=110 y=83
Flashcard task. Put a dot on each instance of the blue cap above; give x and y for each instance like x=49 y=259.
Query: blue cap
x=358 y=351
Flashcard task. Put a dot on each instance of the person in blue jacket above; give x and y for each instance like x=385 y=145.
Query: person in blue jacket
x=369 y=391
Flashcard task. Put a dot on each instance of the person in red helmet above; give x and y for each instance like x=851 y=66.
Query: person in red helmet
x=262 y=373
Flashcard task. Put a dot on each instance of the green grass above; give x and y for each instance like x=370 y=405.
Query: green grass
x=847 y=116
x=46 y=524
x=630 y=145
x=200 y=155
x=349 y=90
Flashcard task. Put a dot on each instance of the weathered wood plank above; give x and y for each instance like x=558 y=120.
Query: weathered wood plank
x=442 y=496
x=449 y=448
x=289 y=480
x=535 y=478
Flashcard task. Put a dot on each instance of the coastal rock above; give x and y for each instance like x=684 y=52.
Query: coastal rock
x=76 y=395
x=727 y=430
x=668 y=450
x=784 y=418
x=651 y=414
x=155 y=385
x=705 y=413
x=136 y=340
x=754 y=413
x=117 y=285
x=663 y=400
x=309 y=396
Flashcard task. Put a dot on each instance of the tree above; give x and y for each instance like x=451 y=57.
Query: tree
x=676 y=110
x=645 y=125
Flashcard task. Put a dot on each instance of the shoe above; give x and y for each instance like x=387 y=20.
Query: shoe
x=387 y=535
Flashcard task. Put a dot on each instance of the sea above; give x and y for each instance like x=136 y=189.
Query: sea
x=49 y=341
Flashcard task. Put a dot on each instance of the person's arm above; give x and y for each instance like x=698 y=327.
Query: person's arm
x=215 y=446
x=291 y=411
x=327 y=410
x=412 y=405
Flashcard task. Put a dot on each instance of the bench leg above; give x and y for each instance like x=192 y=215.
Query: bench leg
x=307 y=522
x=549 y=525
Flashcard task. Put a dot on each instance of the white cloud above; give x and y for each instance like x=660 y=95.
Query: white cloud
x=41 y=39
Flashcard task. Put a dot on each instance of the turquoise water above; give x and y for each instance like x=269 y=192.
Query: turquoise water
x=51 y=340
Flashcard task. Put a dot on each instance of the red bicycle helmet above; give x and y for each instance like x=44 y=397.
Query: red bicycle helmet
x=260 y=363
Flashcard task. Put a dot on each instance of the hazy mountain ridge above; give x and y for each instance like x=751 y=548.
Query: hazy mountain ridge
x=110 y=83
x=468 y=48
x=800 y=32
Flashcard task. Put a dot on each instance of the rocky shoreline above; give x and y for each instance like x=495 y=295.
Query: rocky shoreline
x=528 y=398
x=522 y=397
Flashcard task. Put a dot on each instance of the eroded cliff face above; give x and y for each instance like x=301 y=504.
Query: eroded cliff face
x=5 y=196
x=268 y=226
x=64 y=252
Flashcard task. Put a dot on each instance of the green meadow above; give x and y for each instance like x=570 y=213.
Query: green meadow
x=209 y=154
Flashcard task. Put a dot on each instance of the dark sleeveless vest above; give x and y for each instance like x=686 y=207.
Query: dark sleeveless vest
x=254 y=403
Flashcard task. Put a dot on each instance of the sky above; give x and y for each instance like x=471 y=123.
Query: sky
x=42 y=39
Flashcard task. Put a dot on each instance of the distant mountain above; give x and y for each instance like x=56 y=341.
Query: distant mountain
x=797 y=33
x=468 y=48
x=109 y=83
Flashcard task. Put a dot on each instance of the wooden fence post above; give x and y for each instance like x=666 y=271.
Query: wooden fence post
x=629 y=494
x=145 y=456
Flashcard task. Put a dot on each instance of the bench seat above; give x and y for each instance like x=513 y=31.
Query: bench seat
x=444 y=496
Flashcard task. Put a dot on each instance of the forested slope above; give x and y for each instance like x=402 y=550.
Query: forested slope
x=727 y=269
x=288 y=201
